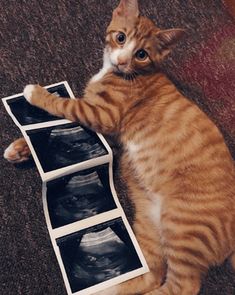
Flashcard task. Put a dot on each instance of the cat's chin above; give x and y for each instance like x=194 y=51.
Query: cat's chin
x=127 y=75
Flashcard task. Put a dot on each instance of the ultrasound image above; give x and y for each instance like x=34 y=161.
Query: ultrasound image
x=78 y=196
x=27 y=114
x=98 y=254
x=65 y=145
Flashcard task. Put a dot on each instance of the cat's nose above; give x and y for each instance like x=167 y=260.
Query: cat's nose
x=122 y=61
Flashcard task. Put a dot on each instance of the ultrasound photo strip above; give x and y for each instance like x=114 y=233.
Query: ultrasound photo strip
x=92 y=239
x=56 y=144
x=98 y=257
x=25 y=115
x=67 y=147
x=78 y=196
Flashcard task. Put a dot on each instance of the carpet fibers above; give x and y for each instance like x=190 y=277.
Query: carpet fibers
x=50 y=41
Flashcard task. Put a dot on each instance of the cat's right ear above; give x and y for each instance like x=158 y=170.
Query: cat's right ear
x=127 y=8
x=167 y=39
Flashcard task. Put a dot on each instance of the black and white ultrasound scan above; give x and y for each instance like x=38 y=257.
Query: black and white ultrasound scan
x=79 y=196
x=27 y=114
x=98 y=254
x=64 y=145
x=91 y=237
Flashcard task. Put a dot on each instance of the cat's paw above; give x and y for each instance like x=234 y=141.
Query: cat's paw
x=35 y=94
x=28 y=92
x=17 y=152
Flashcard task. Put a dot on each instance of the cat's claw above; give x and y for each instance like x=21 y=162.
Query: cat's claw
x=28 y=92
x=17 y=152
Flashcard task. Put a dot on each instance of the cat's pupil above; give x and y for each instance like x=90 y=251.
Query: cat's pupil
x=141 y=54
x=121 y=38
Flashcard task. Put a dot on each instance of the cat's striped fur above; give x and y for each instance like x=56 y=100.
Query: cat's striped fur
x=178 y=170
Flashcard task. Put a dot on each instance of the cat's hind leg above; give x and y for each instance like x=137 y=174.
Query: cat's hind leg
x=17 y=152
x=189 y=284
x=184 y=271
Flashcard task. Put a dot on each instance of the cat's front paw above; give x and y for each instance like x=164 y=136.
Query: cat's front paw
x=28 y=92
x=35 y=94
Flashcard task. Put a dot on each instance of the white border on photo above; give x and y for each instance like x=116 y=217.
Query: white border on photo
x=71 y=168
x=37 y=125
x=69 y=228
x=111 y=282
x=89 y=222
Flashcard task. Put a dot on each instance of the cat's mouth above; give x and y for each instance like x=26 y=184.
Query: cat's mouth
x=127 y=73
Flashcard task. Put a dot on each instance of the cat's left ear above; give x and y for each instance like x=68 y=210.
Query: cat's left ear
x=167 y=39
x=127 y=8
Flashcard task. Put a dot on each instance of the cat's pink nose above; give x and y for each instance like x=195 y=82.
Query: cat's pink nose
x=122 y=61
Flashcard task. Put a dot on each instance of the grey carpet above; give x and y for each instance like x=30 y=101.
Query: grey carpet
x=49 y=41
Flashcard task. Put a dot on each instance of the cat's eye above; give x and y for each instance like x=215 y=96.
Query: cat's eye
x=121 y=38
x=141 y=54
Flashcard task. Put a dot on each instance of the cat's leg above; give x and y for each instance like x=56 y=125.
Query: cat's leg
x=18 y=151
x=182 y=279
x=190 y=285
x=183 y=274
x=102 y=117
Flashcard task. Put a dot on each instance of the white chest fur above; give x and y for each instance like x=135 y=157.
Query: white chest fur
x=155 y=209
x=106 y=67
x=133 y=147
x=155 y=199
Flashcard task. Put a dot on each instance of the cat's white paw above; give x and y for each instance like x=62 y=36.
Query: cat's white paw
x=28 y=92
x=16 y=153
x=8 y=154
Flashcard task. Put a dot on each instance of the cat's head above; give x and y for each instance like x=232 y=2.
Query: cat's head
x=133 y=43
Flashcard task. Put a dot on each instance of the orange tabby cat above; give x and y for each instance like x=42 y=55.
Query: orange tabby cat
x=178 y=170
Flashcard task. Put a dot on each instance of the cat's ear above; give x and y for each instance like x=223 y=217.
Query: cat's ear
x=127 y=8
x=167 y=39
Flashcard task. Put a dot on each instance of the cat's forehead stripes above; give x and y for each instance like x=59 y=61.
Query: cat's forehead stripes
x=142 y=32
